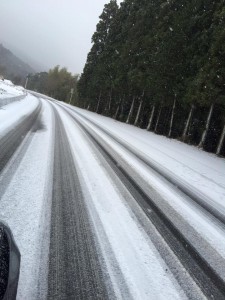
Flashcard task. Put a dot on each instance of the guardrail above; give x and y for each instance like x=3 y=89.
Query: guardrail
x=5 y=101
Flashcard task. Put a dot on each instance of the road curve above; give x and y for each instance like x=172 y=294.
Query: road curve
x=200 y=270
x=88 y=222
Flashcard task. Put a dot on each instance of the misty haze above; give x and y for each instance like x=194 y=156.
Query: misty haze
x=46 y=33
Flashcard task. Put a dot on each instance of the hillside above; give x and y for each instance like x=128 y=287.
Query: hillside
x=12 y=67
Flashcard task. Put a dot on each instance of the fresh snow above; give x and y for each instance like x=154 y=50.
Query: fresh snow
x=12 y=114
x=201 y=170
x=199 y=222
x=140 y=272
x=8 y=89
x=25 y=205
x=143 y=270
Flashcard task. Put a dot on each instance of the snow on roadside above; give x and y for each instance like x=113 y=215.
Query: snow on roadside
x=12 y=114
x=203 y=171
x=209 y=230
x=25 y=202
x=143 y=269
x=8 y=89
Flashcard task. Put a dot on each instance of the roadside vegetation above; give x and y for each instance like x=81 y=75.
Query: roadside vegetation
x=160 y=65
x=56 y=83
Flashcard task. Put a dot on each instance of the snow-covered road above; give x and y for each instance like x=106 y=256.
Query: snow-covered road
x=104 y=210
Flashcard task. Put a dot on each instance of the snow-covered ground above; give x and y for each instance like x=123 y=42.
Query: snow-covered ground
x=130 y=245
x=202 y=171
x=8 y=89
x=26 y=201
x=193 y=166
x=14 y=113
x=132 y=259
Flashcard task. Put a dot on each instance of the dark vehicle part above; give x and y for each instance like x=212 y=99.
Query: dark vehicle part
x=9 y=264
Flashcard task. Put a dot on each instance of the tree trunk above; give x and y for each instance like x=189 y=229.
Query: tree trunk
x=139 y=108
x=201 y=144
x=88 y=106
x=131 y=111
x=151 y=118
x=220 y=145
x=157 y=121
x=108 y=104
x=138 y=113
x=184 y=135
x=172 y=117
x=117 y=110
x=122 y=109
x=110 y=101
x=99 y=99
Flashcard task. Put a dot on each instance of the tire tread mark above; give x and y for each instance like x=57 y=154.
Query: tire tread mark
x=11 y=141
x=208 y=280
x=214 y=212
x=74 y=266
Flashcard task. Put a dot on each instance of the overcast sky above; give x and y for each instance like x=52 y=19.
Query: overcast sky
x=50 y=32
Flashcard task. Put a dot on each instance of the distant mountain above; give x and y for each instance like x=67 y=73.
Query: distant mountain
x=29 y=59
x=12 y=67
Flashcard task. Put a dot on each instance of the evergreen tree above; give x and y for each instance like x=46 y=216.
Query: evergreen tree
x=97 y=79
x=160 y=65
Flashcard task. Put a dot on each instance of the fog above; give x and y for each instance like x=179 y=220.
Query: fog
x=46 y=33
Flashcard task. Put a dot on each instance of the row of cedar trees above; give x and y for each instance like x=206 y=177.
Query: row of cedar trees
x=160 y=66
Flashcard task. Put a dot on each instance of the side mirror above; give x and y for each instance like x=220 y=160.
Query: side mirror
x=9 y=264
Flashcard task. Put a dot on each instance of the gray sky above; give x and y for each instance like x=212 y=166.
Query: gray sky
x=50 y=32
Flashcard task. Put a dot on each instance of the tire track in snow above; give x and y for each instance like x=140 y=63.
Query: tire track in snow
x=12 y=140
x=204 y=202
x=74 y=267
x=209 y=281
x=19 y=139
x=28 y=178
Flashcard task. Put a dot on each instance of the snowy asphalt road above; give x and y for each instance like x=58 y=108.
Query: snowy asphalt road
x=91 y=219
x=74 y=266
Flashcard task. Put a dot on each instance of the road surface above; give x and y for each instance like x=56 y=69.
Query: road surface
x=97 y=216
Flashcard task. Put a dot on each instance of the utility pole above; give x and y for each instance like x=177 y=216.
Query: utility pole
x=71 y=95
x=26 y=82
